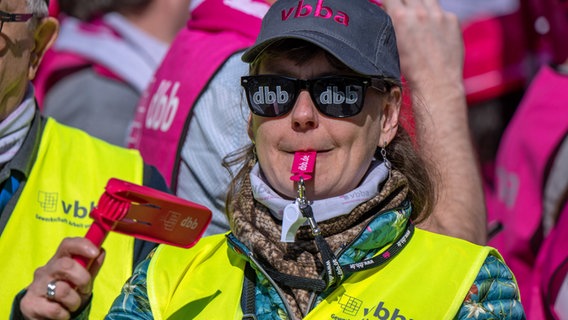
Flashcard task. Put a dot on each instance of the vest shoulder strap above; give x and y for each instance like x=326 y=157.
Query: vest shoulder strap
x=555 y=188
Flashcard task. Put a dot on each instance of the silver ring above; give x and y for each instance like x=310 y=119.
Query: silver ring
x=51 y=289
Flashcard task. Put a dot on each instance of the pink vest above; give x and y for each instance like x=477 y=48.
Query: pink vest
x=550 y=272
x=54 y=67
x=214 y=33
x=550 y=45
x=57 y=64
x=537 y=128
x=490 y=68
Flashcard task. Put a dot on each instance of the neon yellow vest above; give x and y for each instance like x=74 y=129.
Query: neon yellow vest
x=67 y=179
x=429 y=279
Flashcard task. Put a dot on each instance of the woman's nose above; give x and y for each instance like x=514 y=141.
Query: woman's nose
x=304 y=115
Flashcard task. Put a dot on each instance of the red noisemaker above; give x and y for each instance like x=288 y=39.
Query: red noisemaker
x=146 y=214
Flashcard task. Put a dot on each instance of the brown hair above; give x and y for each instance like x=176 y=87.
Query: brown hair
x=401 y=151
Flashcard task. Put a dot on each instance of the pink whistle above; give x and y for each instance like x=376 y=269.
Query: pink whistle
x=303 y=165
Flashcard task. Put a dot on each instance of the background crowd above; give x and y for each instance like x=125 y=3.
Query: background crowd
x=163 y=77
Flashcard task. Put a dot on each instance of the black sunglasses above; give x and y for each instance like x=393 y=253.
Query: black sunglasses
x=13 y=17
x=334 y=96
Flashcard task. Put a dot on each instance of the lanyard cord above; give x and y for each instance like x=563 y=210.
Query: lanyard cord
x=319 y=285
x=316 y=285
x=334 y=272
x=390 y=253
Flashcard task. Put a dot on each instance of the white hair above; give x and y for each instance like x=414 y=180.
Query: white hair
x=38 y=7
x=40 y=10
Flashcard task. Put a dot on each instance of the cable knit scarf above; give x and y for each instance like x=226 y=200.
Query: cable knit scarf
x=257 y=228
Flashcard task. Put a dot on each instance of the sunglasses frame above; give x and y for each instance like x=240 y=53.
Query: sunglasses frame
x=13 y=17
x=299 y=85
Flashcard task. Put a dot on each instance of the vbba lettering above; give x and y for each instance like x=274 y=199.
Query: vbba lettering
x=265 y=96
x=320 y=11
x=334 y=96
x=189 y=222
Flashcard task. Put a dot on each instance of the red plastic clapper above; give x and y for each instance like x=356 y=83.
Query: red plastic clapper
x=146 y=214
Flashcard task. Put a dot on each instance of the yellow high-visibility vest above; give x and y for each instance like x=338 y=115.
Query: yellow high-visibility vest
x=428 y=279
x=66 y=181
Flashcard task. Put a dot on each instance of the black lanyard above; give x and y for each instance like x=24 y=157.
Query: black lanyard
x=318 y=285
x=334 y=271
x=382 y=258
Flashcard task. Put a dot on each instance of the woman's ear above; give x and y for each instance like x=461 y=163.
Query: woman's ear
x=45 y=34
x=390 y=115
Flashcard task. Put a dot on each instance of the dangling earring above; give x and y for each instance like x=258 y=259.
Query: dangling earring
x=386 y=161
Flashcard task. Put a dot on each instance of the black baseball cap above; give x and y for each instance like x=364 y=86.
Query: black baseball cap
x=357 y=32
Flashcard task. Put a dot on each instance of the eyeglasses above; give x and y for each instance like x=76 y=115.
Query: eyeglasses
x=334 y=96
x=13 y=17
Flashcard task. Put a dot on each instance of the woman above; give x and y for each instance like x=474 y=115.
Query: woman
x=322 y=211
x=368 y=186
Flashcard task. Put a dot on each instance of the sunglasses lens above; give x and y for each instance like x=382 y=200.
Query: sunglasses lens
x=274 y=96
x=339 y=97
x=269 y=96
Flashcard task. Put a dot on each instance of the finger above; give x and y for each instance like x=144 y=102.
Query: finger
x=86 y=289
x=392 y=5
x=432 y=4
x=412 y=3
x=97 y=263
x=53 y=288
x=66 y=296
x=67 y=269
x=64 y=270
x=434 y=7
x=77 y=246
x=33 y=308
x=415 y=5
x=74 y=285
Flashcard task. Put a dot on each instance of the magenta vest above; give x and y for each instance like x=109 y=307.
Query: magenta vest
x=550 y=272
x=538 y=126
x=214 y=33
x=57 y=64
x=491 y=69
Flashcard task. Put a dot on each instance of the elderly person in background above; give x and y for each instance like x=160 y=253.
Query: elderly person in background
x=103 y=59
x=51 y=176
